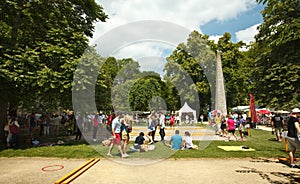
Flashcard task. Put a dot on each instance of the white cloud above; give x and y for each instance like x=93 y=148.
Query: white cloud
x=215 y=38
x=190 y=14
x=142 y=49
x=247 y=35
x=150 y=55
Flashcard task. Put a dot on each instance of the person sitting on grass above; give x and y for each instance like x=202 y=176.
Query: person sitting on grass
x=188 y=141
x=176 y=141
x=140 y=142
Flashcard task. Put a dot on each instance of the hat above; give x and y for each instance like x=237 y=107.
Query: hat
x=296 y=110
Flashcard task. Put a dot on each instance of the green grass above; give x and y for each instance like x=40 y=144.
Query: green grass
x=262 y=141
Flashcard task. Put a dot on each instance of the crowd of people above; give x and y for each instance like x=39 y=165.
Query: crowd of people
x=118 y=127
x=36 y=125
x=121 y=127
x=226 y=126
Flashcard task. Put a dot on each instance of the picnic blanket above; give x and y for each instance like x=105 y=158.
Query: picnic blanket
x=236 y=148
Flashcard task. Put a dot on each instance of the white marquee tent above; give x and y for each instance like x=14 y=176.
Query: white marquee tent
x=187 y=109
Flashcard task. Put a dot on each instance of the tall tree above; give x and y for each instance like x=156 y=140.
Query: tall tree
x=277 y=66
x=198 y=58
x=145 y=89
x=114 y=82
x=40 y=44
x=187 y=62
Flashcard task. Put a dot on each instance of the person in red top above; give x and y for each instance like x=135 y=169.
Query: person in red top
x=231 y=128
x=172 y=121
x=95 y=127
x=110 y=118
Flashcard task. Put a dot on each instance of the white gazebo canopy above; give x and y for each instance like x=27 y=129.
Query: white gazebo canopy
x=187 y=109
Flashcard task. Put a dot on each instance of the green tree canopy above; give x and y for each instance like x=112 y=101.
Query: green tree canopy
x=40 y=44
x=276 y=75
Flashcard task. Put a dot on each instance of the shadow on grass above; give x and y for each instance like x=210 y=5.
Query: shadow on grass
x=24 y=142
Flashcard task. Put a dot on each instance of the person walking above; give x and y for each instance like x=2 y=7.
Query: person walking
x=223 y=126
x=126 y=126
x=162 y=127
x=241 y=126
x=231 y=128
x=218 y=124
x=116 y=134
x=277 y=126
x=155 y=123
x=292 y=135
x=150 y=130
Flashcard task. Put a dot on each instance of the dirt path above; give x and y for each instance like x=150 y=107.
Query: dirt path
x=47 y=170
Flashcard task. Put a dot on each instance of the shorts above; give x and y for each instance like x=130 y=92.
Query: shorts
x=293 y=143
x=223 y=126
x=117 y=140
x=278 y=130
x=125 y=136
x=231 y=131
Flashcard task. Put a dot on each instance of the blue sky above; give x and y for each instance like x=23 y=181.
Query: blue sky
x=243 y=21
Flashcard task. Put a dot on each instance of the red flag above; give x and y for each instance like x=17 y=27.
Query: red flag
x=252 y=109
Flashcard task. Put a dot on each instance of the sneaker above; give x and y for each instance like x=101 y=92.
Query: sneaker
x=125 y=156
x=294 y=166
x=109 y=155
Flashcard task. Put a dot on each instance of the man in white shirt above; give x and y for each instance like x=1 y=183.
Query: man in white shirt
x=162 y=126
x=116 y=133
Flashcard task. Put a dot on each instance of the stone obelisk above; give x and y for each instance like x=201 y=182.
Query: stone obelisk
x=220 y=98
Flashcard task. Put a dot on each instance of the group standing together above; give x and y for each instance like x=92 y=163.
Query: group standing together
x=225 y=126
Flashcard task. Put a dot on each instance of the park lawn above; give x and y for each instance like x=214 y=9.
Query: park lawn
x=260 y=140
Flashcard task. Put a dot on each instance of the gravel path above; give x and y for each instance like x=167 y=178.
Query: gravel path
x=48 y=170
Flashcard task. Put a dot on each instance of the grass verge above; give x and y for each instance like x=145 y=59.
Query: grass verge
x=262 y=141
